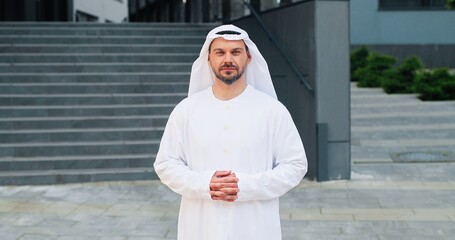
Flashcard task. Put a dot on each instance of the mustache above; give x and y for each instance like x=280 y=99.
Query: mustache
x=228 y=65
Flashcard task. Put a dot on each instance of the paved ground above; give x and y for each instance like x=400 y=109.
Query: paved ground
x=384 y=200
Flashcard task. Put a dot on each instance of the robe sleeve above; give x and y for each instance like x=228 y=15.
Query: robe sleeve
x=290 y=165
x=170 y=164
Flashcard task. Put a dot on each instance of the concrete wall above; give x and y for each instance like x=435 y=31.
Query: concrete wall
x=333 y=89
x=315 y=35
x=111 y=10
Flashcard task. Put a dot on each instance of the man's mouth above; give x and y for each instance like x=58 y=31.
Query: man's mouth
x=228 y=68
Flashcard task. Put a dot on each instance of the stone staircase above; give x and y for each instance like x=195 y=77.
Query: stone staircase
x=89 y=102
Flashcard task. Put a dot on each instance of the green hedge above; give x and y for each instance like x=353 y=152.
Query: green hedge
x=401 y=79
x=372 y=74
x=377 y=70
x=436 y=84
x=358 y=60
x=451 y=4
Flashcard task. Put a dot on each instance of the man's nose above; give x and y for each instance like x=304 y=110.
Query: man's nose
x=228 y=58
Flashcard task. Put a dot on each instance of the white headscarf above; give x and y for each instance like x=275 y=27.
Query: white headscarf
x=256 y=74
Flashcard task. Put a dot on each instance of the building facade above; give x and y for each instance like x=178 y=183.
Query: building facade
x=405 y=27
x=110 y=11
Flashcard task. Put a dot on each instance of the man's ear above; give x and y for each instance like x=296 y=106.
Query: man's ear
x=248 y=55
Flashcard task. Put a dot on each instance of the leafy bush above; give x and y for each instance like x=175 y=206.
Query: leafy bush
x=358 y=60
x=436 y=84
x=401 y=79
x=451 y=4
x=373 y=72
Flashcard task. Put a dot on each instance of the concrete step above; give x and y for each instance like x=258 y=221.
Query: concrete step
x=46 y=163
x=90 y=123
x=88 y=99
x=102 y=31
x=99 y=48
x=13 y=150
x=74 y=39
x=89 y=102
x=100 y=77
x=80 y=135
x=94 y=67
x=93 y=88
x=76 y=58
x=79 y=111
x=75 y=176
x=130 y=25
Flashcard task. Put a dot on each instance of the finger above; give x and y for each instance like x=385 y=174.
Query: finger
x=222 y=194
x=217 y=187
x=223 y=185
x=229 y=191
x=228 y=198
x=225 y=180
x=222 y=173
x=229 y=179
x=216 y=194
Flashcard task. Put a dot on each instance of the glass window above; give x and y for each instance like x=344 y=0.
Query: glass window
x=412 y=4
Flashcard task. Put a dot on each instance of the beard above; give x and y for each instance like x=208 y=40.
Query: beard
x=231 y=78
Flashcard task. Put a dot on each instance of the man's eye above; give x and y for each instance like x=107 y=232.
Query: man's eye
x=219 y=53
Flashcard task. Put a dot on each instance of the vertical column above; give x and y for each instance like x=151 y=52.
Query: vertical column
x=30 y=10
x=226 y=10
x=331 y=33
x=70 y=11
x=196 y=11
x=206 y=11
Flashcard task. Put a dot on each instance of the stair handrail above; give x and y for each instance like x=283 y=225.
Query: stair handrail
x=280 y=48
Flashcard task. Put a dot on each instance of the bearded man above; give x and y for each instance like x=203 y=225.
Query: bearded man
x=231 y=148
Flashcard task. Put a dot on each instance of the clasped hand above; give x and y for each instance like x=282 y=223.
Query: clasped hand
x=223 y=186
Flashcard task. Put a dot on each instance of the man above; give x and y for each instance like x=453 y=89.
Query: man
x=230 y=149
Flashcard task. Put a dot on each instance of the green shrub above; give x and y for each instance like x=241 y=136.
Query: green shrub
x=401 y=79
x=358 y=60
x=373 y=72
x=451 y=4
x=436 y=84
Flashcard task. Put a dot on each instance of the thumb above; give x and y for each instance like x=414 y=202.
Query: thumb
x=222 y=173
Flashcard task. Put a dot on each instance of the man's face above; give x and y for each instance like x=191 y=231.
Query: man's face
x=228 y=59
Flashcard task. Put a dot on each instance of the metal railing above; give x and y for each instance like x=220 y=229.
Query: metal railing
x=288 y=59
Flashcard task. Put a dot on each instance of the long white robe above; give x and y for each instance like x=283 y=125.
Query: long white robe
x=254 y=136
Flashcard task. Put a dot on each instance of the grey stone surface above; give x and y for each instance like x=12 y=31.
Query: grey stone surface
x=145 y=77
x=77 y=100
x=105 y=48
x=101 y=39
x=148 y=210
